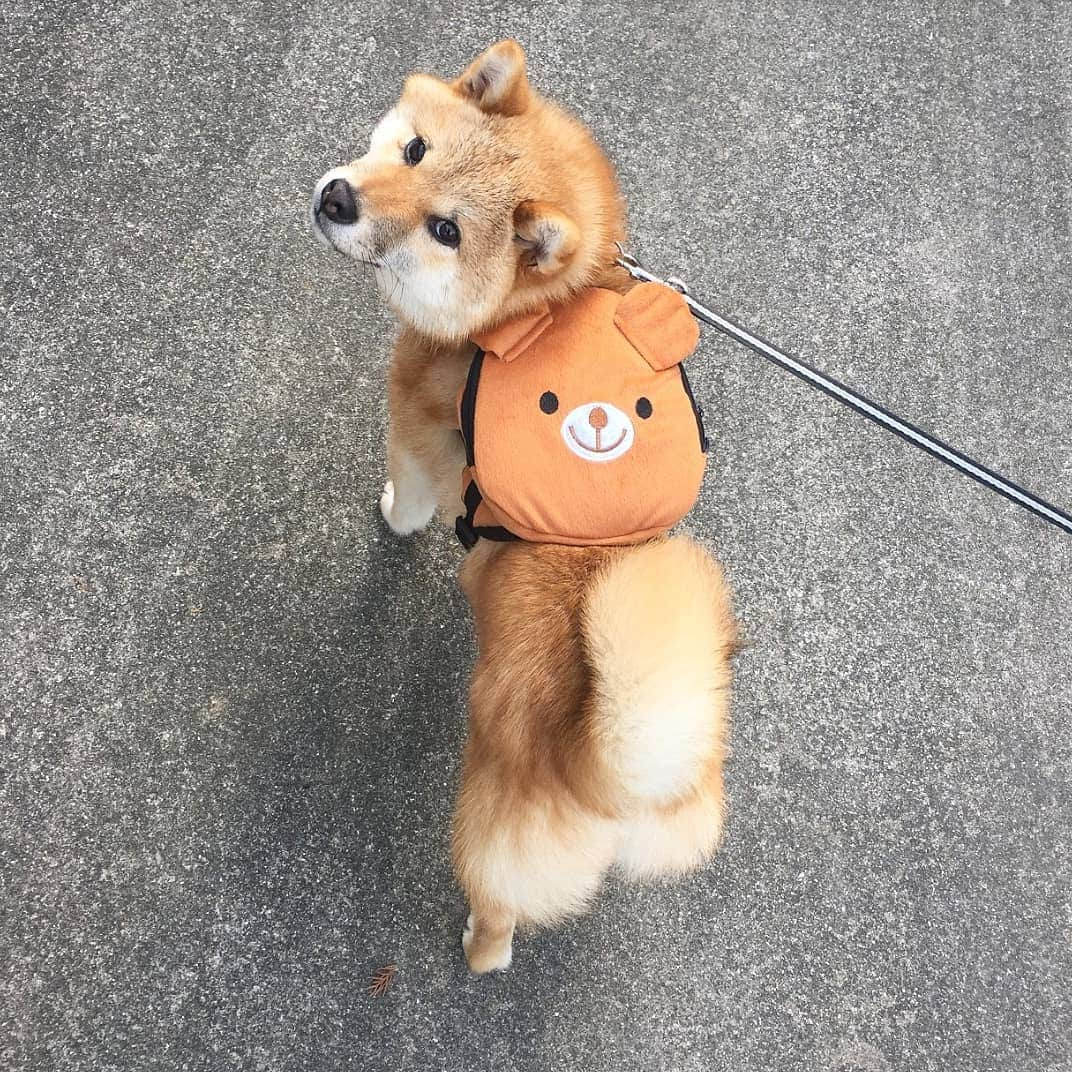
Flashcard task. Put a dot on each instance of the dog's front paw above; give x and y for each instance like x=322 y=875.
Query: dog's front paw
x=404 y=514
x=395 y=517
x=387 y=502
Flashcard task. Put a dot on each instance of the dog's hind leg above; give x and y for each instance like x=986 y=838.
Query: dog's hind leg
x=522 y=861
x=488 y=937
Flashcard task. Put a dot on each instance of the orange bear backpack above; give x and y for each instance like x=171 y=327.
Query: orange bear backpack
x=579 y=423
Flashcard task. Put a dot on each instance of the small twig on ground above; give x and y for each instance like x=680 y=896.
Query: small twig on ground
x=382 y=980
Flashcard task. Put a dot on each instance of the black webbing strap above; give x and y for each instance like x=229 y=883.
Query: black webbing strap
x=467 y=532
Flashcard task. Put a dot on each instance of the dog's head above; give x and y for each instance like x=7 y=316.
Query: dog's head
x=476 y=201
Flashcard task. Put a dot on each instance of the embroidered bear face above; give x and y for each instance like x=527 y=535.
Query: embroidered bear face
x=583 y=425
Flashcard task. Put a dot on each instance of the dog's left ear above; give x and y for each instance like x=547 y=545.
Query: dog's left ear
x=496 y=81
x=656 y=320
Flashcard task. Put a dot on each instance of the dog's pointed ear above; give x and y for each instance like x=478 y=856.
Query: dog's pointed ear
x=496 y=81
x=547 y=236
x=514 y=337
x=657 y=322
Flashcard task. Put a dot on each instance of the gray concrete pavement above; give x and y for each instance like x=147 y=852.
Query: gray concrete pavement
x=232 y=705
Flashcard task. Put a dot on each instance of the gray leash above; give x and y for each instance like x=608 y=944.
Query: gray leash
x=847 y=396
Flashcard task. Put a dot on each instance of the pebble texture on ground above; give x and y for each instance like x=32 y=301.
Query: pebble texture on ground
x=232 y=704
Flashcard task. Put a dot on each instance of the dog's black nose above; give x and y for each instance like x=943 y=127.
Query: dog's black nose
x=337 y=202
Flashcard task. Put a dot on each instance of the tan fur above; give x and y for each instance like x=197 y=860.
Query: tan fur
x=599 y=703
x=595 y=665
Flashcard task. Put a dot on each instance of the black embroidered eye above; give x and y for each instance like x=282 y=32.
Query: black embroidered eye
x=643 y=408
x=549 y=401
x=445 y=232
x=413 y=153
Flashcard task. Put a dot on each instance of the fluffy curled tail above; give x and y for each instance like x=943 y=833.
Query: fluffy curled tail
x=659 y=631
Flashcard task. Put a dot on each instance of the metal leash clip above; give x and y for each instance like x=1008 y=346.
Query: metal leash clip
x=853 y=399
x=626 y=260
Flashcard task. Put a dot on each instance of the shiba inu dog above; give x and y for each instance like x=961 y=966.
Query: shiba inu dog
x=599 y=702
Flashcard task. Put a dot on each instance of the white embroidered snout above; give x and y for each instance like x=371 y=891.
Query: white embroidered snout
x=597 y=432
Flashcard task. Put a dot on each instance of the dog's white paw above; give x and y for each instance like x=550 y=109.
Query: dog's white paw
x=486 y=959
x=387 y=501
x=401 y=522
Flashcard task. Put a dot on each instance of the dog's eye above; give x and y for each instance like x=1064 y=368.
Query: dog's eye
x=445 y=231
x=413 y=153
x=643 y=408
x=549 y=401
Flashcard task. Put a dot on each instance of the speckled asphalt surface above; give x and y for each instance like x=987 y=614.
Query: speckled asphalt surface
x=232 y=704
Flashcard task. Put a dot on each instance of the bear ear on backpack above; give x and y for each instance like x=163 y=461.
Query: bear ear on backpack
x=514 y=337
x=656 y=320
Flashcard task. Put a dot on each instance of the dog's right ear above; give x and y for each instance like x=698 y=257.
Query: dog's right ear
x=496 y=81
x=547 y=237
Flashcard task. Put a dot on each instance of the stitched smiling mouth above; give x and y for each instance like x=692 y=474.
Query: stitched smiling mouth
x=597 y=449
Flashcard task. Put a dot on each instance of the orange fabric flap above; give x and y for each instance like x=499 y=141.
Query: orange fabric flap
x=656 y=320
x=514 y=337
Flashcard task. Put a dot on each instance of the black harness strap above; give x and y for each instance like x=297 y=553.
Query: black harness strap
x=464 y=527
x=467 y=532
